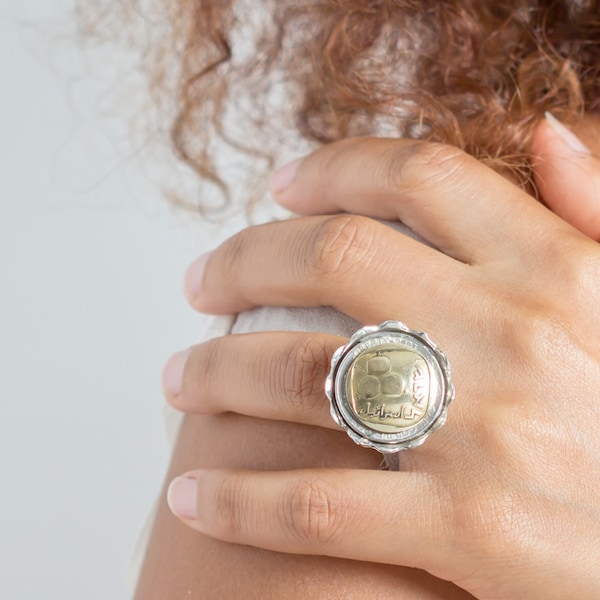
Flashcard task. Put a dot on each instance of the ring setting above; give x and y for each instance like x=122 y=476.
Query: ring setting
x=389 y=387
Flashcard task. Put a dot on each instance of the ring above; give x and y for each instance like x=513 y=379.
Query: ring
x=389 y=387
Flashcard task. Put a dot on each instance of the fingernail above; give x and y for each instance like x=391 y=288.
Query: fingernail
x=194 y=276
x=283 y=177
x=567 y=136
x=182 y=497
x=172 y=376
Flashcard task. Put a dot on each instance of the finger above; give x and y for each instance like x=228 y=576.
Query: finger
x=324 y=512
x=338 y=261
x=274 y=375
x=568 y=176
x=281 y=376
x=449 y=198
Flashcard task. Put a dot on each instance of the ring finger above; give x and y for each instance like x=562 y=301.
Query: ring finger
x=278 y=375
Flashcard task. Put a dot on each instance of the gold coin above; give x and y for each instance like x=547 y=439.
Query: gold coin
x=389 y=388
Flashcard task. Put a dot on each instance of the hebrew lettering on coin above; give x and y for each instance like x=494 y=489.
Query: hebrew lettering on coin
x=388 y=388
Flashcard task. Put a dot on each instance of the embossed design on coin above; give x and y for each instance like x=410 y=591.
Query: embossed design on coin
x=388 y=388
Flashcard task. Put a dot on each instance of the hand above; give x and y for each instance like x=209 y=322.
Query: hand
x=497 y=500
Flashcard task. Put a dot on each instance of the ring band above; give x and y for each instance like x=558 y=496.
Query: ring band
x=389 y=387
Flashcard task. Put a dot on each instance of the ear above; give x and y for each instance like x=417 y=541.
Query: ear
x=567 y=175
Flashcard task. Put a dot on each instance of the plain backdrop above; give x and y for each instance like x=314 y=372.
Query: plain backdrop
x=91 y=263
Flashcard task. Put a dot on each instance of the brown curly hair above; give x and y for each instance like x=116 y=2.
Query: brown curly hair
x=247 y=76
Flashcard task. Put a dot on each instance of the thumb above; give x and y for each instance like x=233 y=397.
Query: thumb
x=567 y=175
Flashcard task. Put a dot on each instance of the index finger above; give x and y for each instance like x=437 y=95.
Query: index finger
x=449 y=198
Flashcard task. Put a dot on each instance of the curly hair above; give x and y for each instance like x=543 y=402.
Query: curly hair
x=257 y=80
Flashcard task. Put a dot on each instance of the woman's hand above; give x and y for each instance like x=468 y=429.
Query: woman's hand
x=505 y=499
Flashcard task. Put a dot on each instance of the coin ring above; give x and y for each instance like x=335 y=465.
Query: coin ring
x=389 y=387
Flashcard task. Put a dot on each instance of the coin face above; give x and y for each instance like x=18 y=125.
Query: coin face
x=388 y=388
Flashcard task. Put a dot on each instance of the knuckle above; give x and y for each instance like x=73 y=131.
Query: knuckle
x=315 y=513
x=332 y=161
x=570 y=263
x=535 y=336
x=426 y=165
x=572 y=286
x=202 y=384
x=234 y=251
x=493 y=524
x=304 y=374
x=580 y=269
x=232 y=507
x=343 y=244
x=524 y=327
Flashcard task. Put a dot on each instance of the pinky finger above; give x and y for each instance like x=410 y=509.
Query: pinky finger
x=357 y=514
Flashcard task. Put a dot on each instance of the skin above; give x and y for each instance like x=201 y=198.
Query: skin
x=184 y=563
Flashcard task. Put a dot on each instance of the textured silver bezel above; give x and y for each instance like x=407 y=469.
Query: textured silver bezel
x=365 y=339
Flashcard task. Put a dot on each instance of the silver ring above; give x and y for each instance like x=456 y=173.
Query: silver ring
x=389 y=387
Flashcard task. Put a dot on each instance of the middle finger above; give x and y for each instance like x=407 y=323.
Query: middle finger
x=278 y=376
x=359 y=266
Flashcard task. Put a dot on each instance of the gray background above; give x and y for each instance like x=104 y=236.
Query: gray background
x=91 y=261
